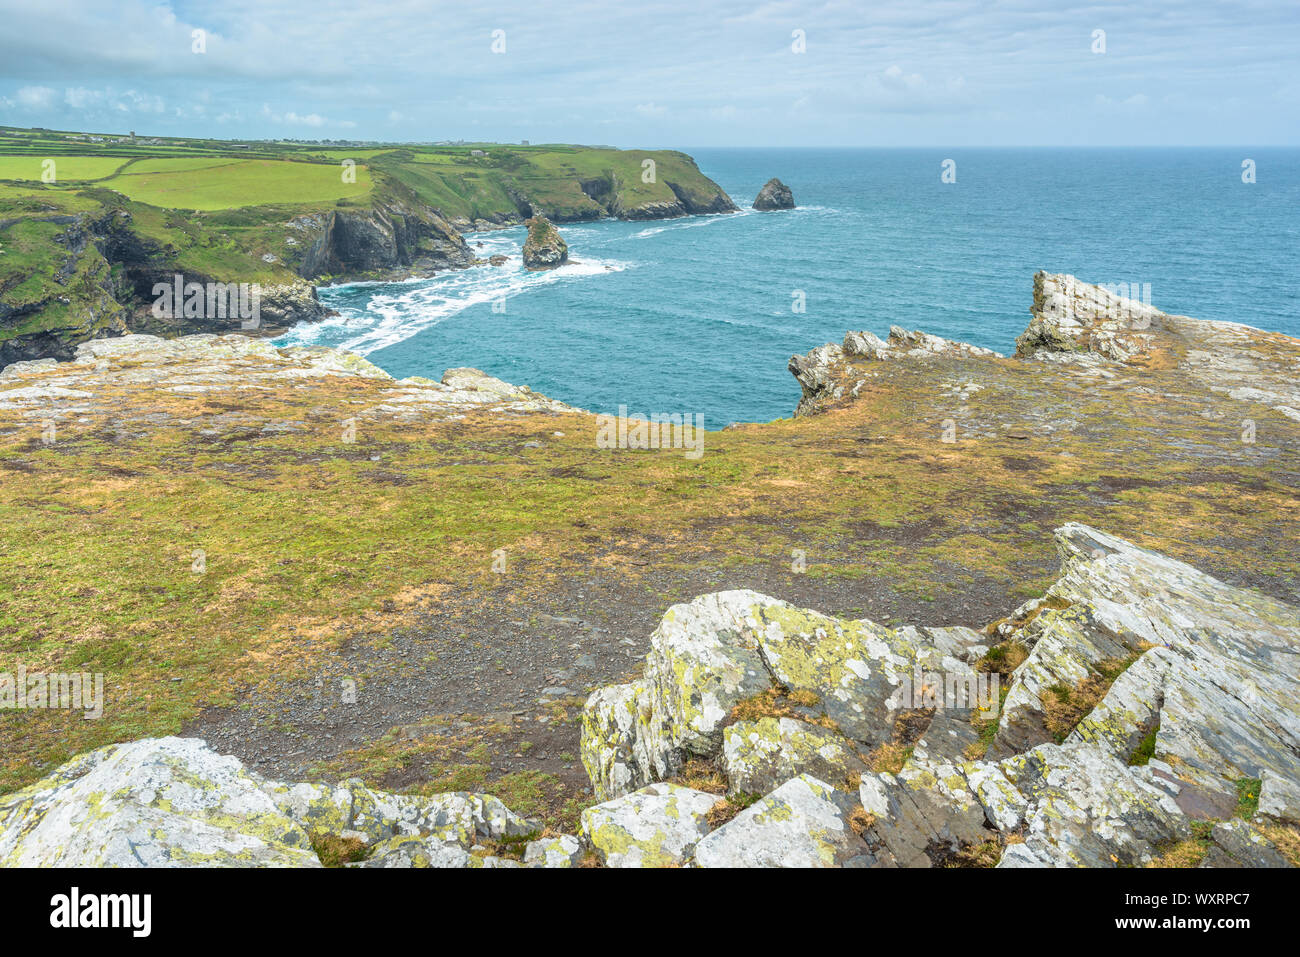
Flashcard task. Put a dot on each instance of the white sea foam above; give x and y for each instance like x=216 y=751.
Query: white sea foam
x=693 y=222
x=408 y=308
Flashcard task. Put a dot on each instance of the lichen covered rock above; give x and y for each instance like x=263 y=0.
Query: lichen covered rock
x=168 y=802
x=710 y=655
x=803 y=823
x=174 y=802
x=759 y=756
x=562 y=851
x=657 y=826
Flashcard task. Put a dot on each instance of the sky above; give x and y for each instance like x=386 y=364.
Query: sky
x=683 y=73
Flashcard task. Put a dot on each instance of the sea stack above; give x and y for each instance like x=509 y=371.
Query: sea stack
x=774 y=195
x=544 y=248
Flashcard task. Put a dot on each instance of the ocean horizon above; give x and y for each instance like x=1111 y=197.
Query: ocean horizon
x=700 y=314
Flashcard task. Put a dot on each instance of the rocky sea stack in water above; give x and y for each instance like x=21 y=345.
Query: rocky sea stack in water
x=544 y=248
x=774 y=195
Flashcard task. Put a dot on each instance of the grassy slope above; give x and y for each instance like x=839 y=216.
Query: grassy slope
x=219 y=175
x=64 y=168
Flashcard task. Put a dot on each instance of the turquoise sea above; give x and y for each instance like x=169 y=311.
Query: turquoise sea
x=695 y=315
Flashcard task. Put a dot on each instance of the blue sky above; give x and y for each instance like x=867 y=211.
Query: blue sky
x=702 y=73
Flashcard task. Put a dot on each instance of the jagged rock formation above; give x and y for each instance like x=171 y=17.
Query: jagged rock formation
x=1087 y=331
x=1210 y=678
x=1077 y=322
x=819 y=372
x=1213 y=689
x=105 y=374
x=544 y=248
x=774 y=195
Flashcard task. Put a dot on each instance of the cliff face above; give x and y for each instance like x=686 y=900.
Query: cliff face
x=678 y=189
x=83 y=298
x=93 y=274
x=686 y=201
x=389 y=240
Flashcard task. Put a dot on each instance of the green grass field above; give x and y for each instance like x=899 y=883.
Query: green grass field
x=176 y=164
x=66 y=168
x=227 y=185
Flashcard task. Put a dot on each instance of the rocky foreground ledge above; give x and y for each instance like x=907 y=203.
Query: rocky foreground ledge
x=109 y=375
x=1150 y=715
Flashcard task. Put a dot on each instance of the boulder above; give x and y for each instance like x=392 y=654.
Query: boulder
x=711 y=654
x=1279 y=798
x=174 y=802
x=774 y=195
x=562 y=851
x=169 y=802
x=759 y=756
x=657 y=826
x=803 y=823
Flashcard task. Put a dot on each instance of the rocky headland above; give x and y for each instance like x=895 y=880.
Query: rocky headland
x=1100 y=528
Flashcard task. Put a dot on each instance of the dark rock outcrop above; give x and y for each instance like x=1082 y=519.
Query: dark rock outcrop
x=388 y=240
x=544 y=248
x=774 y=195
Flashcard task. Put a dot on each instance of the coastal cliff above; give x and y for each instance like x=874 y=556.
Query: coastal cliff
x=81 y=262
x=1103 y=523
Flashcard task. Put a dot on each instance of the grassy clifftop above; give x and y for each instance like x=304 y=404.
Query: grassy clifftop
x=487 y=183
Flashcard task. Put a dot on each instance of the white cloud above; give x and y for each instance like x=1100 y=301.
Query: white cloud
x=877 y=72
x=36 y=97
x=303 y=119
x=895 y=79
